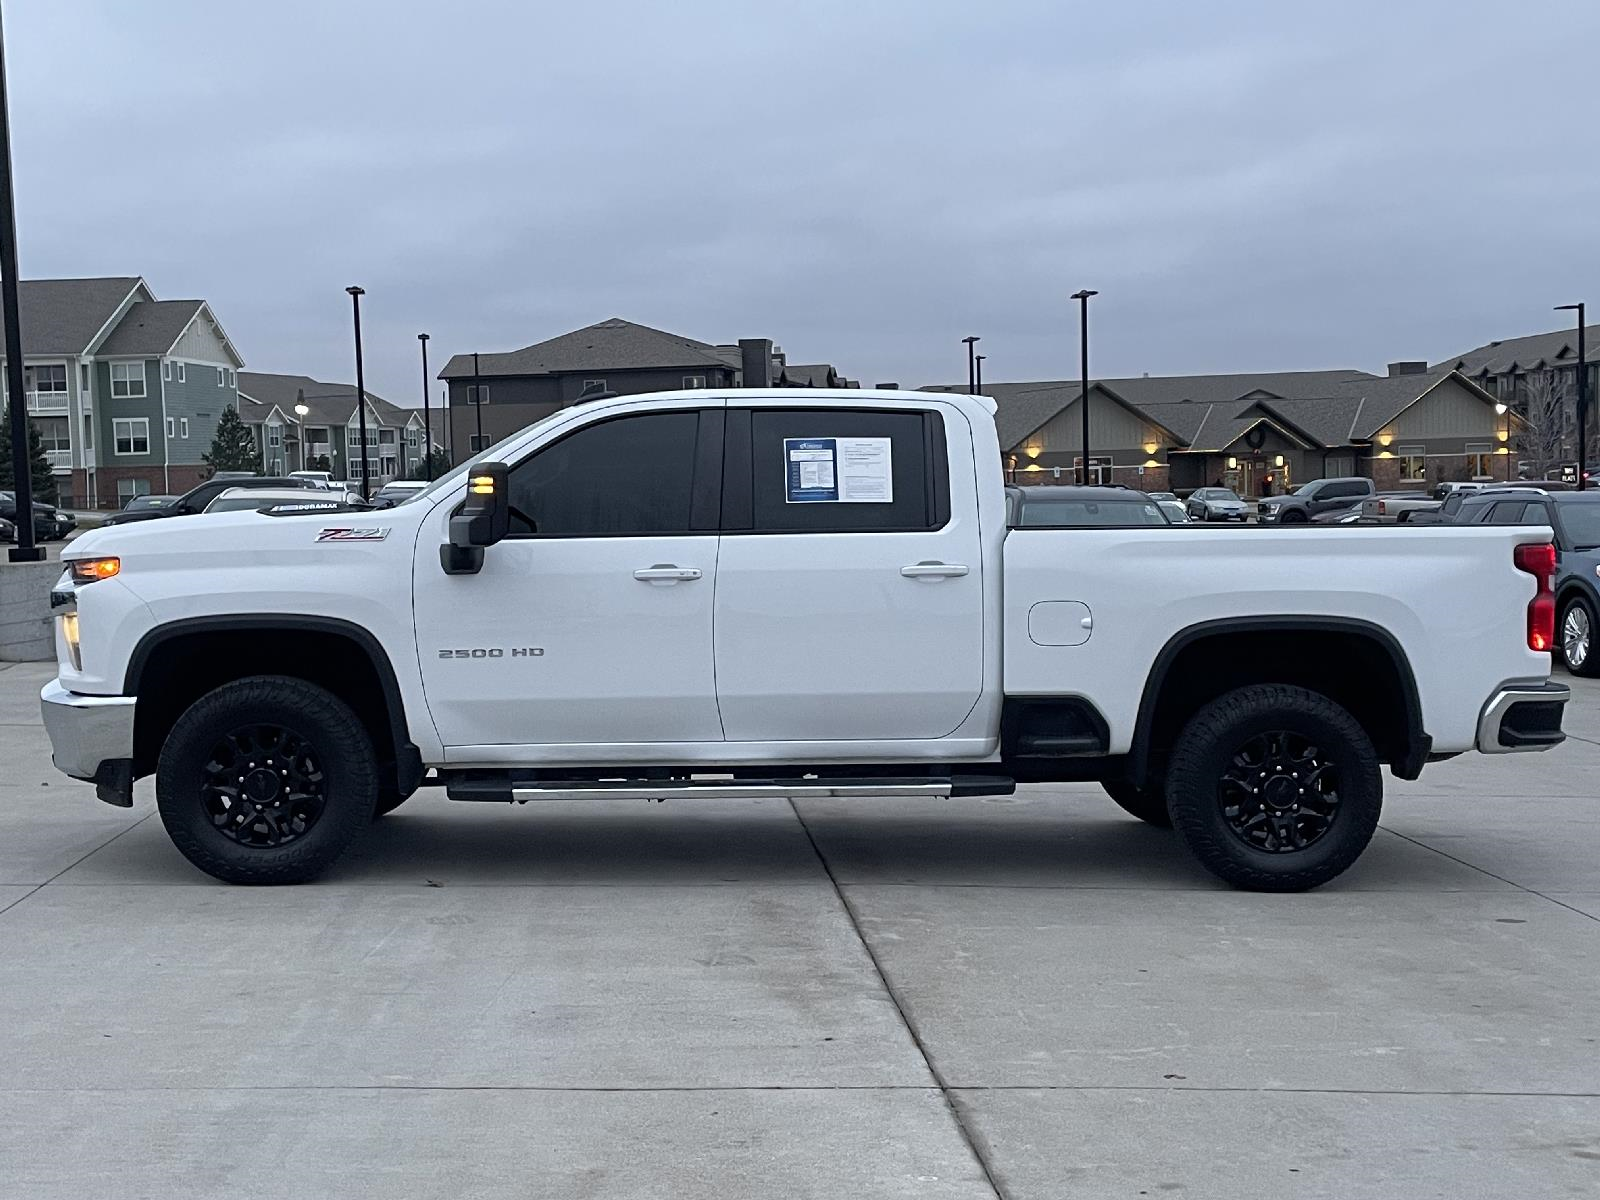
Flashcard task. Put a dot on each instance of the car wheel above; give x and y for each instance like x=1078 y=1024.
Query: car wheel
x=266 y=780
x=1149 y=805
x=1274 y=788
x=1577 y=637
x=1293 y=517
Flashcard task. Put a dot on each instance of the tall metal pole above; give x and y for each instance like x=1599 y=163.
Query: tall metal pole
x=22 y=469
x=1583 y=396
x=361 y=388
x=449 y=418
x=427 y=420
x=1083 y=395
x=979 y=361
x=477 y=400
x=972 y=366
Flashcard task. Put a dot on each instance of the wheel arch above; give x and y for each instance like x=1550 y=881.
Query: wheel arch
x=1361 y=666
x=202 y=653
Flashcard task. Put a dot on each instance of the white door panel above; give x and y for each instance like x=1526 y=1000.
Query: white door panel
x=624 y=659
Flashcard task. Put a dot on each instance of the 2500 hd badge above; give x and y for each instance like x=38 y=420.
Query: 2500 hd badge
x=495 y=652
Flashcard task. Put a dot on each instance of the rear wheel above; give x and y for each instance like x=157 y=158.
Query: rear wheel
x=266 y=780
x=1274 y=788
x=1293 y=517
x=1150 y=806
x=1577 y=637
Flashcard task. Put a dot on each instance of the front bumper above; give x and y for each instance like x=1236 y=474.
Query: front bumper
x=1523 y=717
x=87 y=732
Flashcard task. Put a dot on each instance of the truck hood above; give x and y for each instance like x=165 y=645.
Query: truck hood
x=245 y=533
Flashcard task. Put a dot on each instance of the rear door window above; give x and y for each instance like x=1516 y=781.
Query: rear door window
x=1507 y=512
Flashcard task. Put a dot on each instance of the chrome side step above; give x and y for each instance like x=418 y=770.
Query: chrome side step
x=523 y=791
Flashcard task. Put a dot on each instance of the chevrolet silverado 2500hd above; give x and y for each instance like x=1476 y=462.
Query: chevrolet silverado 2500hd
x=780 y=593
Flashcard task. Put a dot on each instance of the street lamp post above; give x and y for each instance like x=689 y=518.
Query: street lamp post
x=427 y=420
x=1583 y=395
x=1083 y=395
x=302 y=410
x=972 y=365
x=1501 y=409
x=21 y=468
x=979 y=361
x=361 y=387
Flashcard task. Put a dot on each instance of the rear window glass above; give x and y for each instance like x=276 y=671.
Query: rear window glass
x=1075 y=514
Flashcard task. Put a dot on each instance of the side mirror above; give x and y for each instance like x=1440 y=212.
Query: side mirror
x=484 y=519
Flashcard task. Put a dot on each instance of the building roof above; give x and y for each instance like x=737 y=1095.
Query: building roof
x=151 y=326
x=613 y=344
x=329 y=403
x=1534 y=352
x=63 y=316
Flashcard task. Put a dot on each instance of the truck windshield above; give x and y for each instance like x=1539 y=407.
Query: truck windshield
x=1077 y=514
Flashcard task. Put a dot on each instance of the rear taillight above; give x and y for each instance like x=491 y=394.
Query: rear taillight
x=1383 y=508
x=1539 y=560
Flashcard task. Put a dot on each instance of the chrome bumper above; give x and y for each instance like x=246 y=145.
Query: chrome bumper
x=1522 y=717
x=86 y=731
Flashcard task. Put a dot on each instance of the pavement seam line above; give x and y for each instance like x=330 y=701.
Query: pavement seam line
x=952 y=1105
x=778 y=1087
x=1511 y=882
x=26 y=895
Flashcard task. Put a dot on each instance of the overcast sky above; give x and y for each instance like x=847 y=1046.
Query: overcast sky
x=1251 y=186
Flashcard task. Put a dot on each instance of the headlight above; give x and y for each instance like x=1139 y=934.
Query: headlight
x=87 y=570
x=69 y=634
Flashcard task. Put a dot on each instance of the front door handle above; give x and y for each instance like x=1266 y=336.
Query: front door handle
x=666 y=573
x=934 y=570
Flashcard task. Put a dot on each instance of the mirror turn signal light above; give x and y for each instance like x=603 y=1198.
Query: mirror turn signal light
x=87 y=570
x=481 y=485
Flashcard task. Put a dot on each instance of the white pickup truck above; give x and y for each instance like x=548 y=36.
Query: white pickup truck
x=784 y=593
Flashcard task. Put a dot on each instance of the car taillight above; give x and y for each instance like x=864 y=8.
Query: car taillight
x=1383 y=508
x=1539 y=560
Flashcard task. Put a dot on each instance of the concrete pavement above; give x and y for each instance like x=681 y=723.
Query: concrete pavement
x=1031 y=996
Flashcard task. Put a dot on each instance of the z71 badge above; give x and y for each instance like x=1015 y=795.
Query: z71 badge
x=352 y=534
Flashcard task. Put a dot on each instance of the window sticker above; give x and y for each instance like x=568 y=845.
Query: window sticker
x=838 y=470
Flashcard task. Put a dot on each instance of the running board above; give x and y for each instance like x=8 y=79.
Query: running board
x=522 y=791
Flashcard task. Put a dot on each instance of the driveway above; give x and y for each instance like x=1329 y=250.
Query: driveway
x=1032 y=996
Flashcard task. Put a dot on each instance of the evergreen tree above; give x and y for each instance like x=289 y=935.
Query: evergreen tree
x=441 y=464
x=44 y=481
x=234 y=446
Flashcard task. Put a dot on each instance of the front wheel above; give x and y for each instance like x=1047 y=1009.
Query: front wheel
x=1274 y=788
x=1577 y=637
x=1293 y=517
x=1149 y=805
x=266 y=780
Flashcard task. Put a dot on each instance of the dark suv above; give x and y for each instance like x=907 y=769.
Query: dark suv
x=1575 y=517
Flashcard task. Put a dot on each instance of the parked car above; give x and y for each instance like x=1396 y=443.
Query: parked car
x=321 y=479
x=139 y=504
x=1457 y=494
x=1174 y=509
x=1334 y=516
x=196 y=499
x=1172 y=496
x=1389 y=508
x=1216 y=504
x=1309 y=499
x=397 y=492
x=8 y=531
x=1081 y=507
x=49 y=522
x=763 y=629
x=239 y=499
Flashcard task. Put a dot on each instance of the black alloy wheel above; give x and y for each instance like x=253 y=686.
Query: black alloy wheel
x=1280 y=793
x=263 y=786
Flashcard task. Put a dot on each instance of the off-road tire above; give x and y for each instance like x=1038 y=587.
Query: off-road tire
x=1210 y=746
x=343 y=751
x=1150 y=806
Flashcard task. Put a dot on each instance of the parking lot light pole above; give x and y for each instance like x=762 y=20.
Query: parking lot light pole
x=427 y=420
x=477 y=401
x=302 y=410
x=972 y=365
x=979 y=362
x=22 y=470
x=1502 y=409
x=361 y=387
x=1083 y=395
x=1583 y=394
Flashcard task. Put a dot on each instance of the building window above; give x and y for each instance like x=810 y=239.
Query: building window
x=222 y=376
x=83 y=377
x=50 y=381
x=127 y=489
x=477 y=393
x=127 y=380
x=172 y=428
x=693 y=382
x=274 y=436
x=1479 y=460
x=166 y=370
x=233 y=380
x=130 y=435
x=480 y=441
x=1413 y=465
x=411 y=438
x=1099 y=469
x=183 y=427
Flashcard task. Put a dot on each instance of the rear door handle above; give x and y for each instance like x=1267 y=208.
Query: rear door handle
x=934 y=570
x=666 y=573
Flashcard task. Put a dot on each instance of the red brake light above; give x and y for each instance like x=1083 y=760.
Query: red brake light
x=1539 y=560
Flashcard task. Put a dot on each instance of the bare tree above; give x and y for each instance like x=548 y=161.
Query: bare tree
x=1544 y=432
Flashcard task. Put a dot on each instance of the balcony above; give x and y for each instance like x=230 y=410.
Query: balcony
x=59 y=460
x=47 y=403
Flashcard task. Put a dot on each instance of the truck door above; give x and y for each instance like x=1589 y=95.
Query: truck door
x=591 y=622
x=849 y=591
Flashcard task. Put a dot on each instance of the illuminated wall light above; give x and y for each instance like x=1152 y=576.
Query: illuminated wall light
x=1278 y=461
x=1233 y=464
